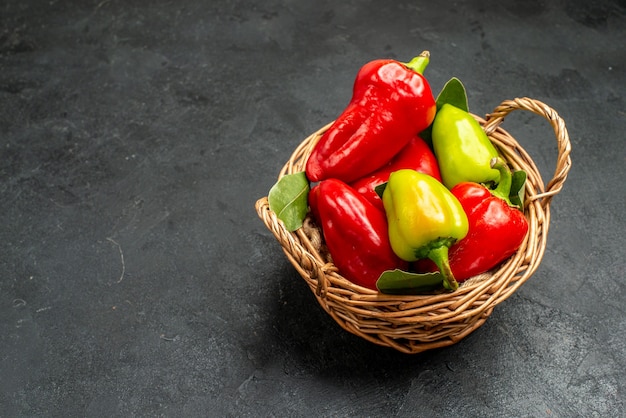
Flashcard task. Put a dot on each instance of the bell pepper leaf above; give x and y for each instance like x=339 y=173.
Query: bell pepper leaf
x=427 y=135
x=517 y=193
x=453 y=93
x=288 y=198
x=399 y=282
x=380 y=189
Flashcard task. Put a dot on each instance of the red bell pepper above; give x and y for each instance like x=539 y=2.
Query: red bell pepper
x=355 y=232
x=416 y=155
x=391 y=103
x=496 y=228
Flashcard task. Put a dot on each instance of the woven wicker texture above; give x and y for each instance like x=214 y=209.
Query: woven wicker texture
x=412 y=324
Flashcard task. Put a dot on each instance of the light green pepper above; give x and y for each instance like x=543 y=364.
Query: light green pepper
x=463 y=150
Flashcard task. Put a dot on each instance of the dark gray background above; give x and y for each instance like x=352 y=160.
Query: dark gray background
x=137 y=280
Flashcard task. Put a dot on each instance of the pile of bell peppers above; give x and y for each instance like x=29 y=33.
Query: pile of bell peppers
x=387 y=199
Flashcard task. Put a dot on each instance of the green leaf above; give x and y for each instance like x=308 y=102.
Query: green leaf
x=517 y=193
x=288 y=198
x=453 y=93
x=427 y=135
x=399 y=282
x=380 y=189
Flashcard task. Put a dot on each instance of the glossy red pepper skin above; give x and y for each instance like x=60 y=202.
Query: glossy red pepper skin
x=496 y=231
x=391 y=103
x=416 y=155
x=355 y=232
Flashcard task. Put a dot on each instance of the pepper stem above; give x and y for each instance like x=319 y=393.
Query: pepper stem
x=439 y=256
x=503 y=189
x=419 y=63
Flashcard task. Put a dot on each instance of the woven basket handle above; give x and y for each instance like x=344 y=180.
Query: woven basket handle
x=563 y=163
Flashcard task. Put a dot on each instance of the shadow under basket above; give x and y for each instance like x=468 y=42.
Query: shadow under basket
x=415 y=323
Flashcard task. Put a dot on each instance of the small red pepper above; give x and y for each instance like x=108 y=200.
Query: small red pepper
x=416 y=155
x=355 y=232
x=496 y=228
x=391 y=103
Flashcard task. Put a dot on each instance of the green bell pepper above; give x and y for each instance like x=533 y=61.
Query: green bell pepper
x=424 y=219
x=463 y=150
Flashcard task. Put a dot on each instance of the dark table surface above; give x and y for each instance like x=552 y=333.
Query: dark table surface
x=137 y=280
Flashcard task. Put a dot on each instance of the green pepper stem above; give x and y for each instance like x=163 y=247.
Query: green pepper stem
x=439 y=256
x=503 y=189
x=419 y=63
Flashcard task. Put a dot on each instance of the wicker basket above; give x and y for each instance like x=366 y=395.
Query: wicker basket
x=413 y=324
